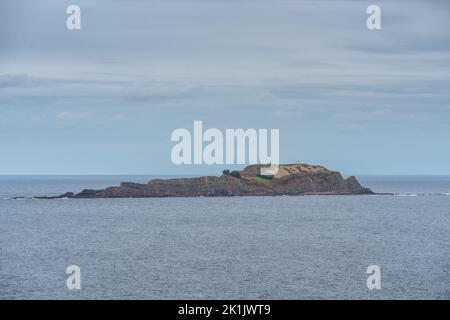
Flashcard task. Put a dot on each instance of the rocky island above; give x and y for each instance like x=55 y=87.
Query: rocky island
x=291 y=179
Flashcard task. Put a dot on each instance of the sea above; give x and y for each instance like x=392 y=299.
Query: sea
x=285 y=247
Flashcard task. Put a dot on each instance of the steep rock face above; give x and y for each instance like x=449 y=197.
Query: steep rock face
x=318 y=183
x=291 y=179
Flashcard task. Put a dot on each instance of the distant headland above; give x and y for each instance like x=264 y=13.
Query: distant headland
x=291 y=179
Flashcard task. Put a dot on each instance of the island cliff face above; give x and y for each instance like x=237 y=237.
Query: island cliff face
x=291 y=179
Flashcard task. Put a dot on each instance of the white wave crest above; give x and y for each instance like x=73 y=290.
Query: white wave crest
x=406 y=195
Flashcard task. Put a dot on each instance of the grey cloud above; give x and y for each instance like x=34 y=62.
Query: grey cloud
x=16 y=80
x=137 y=69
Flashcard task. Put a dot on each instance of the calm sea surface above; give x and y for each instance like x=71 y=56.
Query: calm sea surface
x=219 y=248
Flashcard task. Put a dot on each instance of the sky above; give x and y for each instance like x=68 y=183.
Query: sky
x=105 y=99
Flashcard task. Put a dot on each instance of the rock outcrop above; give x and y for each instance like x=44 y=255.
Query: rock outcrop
x=291 y=179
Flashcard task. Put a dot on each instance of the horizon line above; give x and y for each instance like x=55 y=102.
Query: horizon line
x=206 y=174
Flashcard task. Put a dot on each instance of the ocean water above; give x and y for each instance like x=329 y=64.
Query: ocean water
x=304 y=247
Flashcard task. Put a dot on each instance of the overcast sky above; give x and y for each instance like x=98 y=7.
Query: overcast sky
x=105 y=99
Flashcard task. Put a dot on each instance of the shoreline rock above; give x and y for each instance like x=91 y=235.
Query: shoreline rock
x=291 y=179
